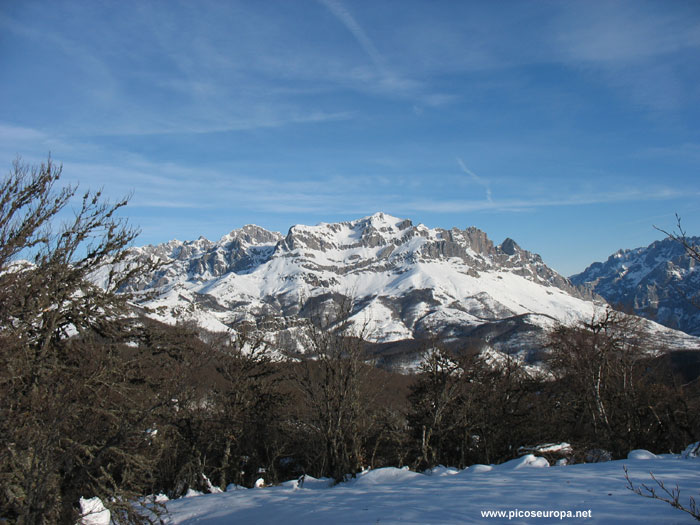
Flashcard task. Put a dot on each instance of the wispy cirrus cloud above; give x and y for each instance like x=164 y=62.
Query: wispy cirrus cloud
x=9 y=133
x=222 y=124
x=538 y=202
x=639 y=49
x=387 y=79
x=346 y=18
x=685 y=150
x=480 y=181
x=168 y=185
x=170 y=78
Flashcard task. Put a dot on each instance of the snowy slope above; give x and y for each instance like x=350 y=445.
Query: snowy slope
x=445 y=496
x=659 y=281
x=404 y=281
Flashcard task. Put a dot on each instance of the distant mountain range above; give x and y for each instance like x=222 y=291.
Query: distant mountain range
x=659 y=282
x=404 y=283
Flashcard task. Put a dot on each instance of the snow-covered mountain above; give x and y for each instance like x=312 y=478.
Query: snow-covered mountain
x=404 y=281
x=659 y=282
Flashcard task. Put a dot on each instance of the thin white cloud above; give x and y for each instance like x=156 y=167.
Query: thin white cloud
x=9 y=132
x=344 y=16
x=102 y=85
x=389 y=80
x=481 y=182
x=638 y=49
x=222 y=124
x=686 y=150
x=623 y=32
x=168 y=185
x=518 y=205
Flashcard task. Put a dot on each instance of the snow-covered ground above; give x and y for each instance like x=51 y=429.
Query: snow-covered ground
x=445 y=496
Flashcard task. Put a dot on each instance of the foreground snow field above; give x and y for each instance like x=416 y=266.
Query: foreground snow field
x=446 y=496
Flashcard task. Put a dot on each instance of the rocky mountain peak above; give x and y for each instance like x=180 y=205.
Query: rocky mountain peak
x=252 y=234
x=372 y=231
x=509 y=246
x=479 y=241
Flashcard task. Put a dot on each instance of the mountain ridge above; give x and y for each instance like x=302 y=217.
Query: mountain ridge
x=403 y=282
x=659 y=282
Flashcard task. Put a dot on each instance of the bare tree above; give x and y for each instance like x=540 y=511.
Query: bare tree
x=590 y=354
x=226 y=428
x=466 y=408
x=331 y=379
x=436 y=402
x=615 y=395
x=67 y=413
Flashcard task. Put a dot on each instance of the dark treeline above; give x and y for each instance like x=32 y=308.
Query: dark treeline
x=98 y=400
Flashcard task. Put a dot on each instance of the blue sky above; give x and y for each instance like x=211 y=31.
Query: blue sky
x=572 y=127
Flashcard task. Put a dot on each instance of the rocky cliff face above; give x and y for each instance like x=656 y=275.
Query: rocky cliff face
x=403 y=282
x=659 y=282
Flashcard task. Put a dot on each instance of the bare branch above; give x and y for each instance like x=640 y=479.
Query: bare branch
x=671 y=496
